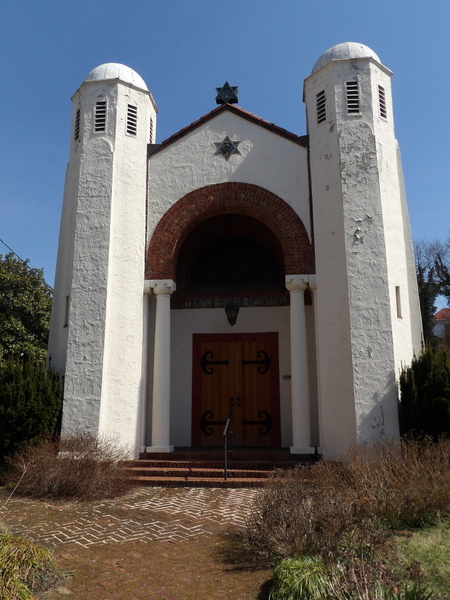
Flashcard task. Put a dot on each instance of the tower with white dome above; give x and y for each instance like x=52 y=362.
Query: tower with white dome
x=98 y=283
x=367 y=315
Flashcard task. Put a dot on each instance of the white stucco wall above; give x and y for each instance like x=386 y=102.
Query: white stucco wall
x=266 y=159
x=415 y=323
x=359 y=229
x=104 y=214
x=57 y=346
x=333 y=337
x=123 y=387
x=396 y=228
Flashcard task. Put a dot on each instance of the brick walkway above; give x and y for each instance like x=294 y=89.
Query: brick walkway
x=153 y=514
x=153 y=544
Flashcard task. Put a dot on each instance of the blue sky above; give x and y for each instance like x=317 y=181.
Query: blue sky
x=183 y=49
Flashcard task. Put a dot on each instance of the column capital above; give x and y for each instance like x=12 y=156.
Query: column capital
x=162 y=286
x=297 y=283
x=147 y=287
x=312 y=282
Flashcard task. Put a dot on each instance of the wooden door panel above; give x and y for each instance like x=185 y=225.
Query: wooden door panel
x=256 y=372
x=241 y=369
x=218 y=367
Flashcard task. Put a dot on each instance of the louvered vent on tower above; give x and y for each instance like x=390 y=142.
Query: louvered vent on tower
x=320 y=107
x=76 y=133
x=382 y=102
x=151 y=130
x=100 y=116
x=352 y=97
x=132 y=120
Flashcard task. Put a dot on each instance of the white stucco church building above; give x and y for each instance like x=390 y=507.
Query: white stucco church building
x=307 y=234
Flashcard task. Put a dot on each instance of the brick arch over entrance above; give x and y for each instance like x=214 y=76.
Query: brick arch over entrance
x=228 y=198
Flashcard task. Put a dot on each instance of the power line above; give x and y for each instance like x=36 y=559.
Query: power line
x=23 y=261
x=15 y=253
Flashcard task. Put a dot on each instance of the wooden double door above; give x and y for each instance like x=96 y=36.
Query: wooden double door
x=237 y=376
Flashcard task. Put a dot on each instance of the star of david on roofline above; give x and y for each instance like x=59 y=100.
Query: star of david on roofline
x=226 y=147
x=227 y=94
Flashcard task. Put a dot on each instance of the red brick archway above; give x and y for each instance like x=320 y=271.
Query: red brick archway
x=228 y=198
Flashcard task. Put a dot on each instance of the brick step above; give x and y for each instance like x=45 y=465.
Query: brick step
x=206 y=482
x=204 y=467
x=265 y=465
x=269 y=454
x=197 y=472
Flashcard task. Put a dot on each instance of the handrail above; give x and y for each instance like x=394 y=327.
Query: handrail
x=225 y=446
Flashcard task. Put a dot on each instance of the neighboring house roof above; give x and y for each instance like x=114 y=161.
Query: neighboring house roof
x=441 y=327
x=301 y=140
x=442 y=314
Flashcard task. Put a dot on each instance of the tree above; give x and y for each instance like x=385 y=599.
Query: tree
x=433 y=279
x=442 y=268
x=25 y=305
x=428 y=292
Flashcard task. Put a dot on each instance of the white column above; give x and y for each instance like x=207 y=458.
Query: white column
x=312 y=284
x=301 y=420
x=163 y=289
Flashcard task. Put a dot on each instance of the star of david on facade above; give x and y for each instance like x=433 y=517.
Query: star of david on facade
x=226 y=147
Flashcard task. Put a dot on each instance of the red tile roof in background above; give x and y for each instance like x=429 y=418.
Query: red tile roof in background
x=442 y=314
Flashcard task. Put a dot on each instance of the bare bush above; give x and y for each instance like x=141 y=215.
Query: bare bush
x=79 y=466
x=331 y=507
x=307 y=511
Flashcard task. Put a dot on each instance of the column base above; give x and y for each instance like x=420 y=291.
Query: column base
x=154 y=449
x=303 y=450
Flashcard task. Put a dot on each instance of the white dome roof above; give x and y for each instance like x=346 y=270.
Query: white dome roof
x=345 y=51
x=117 y=71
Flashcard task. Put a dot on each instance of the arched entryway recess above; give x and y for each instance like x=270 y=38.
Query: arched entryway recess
x=228 y=198
x=190 y=214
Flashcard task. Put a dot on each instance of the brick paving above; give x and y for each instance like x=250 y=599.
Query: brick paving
x=153 y=544
x=154 y=514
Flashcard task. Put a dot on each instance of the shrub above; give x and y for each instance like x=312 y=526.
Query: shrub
x=310 y=578
x=300 y=578
x=332 y=508
x=308 y=510
x=425 y=394
x=30 y=401
x=25 y=568
x=79 y=466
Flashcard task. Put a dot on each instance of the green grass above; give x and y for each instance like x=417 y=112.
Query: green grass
x=424 y=554
x=299 y=578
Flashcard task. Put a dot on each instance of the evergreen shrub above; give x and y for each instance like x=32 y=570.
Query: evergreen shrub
x=30 y=402
x=425 y=395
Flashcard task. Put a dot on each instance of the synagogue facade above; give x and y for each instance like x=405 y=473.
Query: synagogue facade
x=236 y=264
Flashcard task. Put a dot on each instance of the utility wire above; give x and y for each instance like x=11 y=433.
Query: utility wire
x=23 y=261
x=15 y=254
